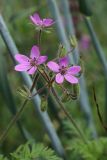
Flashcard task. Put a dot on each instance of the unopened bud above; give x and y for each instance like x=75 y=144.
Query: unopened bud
x=75 y=91
x=73 y=41
x=72 y=91
x=24 y=92
x=62 y=51
x=81 y=63
x=65 y=97
x=85 y=7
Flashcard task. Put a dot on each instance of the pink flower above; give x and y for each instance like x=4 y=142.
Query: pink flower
x=47 y=22
x=63 y=71
x=30 y=64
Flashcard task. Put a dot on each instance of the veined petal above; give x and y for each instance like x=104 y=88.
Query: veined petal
x=74 y=70
x=35 y=19
x=53 y=66
x=59 y=78
x=64 y=62
x=35 y=53
x=32 y=70
x=22 y=67
x=42 y=59
x=71 y=78
x=21 y=58
x=48 y=22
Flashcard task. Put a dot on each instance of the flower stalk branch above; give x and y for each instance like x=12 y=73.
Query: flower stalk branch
x=68 y=115
x=39 y=38
x=16 y=117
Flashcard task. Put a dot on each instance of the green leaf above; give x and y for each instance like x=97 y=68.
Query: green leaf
x=93 y=150
x=3 y=158
x=34 y=151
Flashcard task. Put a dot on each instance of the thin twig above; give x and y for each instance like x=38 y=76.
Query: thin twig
x=39 y=38
x=17 y=115
x=98 y=111
x=68 y=115
x=39 y=91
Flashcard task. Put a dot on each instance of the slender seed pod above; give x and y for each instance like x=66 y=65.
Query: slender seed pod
x=24 y=92
x=85 y=7
x=81 y=63
x=65 y=97
x=71 y=92
x=76 y=90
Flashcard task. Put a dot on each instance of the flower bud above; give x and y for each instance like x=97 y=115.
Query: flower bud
x=72 y=92
x=24 y=92
x=62 y=51
x=73 y=41
x=65 y=97
x=75 y=91
x=85 y=7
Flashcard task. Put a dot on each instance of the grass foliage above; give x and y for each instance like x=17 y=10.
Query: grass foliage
x=16 y=14
x=31 y=151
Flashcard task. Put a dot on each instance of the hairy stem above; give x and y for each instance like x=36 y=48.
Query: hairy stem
x=40 y=90
x=17 y=115
x=39 y=37
x=68 y=115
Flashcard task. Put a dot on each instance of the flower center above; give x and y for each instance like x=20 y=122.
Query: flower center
x=33 y=62
x=63 y=70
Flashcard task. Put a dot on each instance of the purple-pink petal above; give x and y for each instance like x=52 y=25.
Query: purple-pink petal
x=74 y=70
x=42 y=59
x=59 y=78
x=22 y=67
x=35 y=19
x=21 y=58
x=35 y=53
x=32 y=70
x=71 y=78
x=53 y=66
x=48 y=22
x=64 y=62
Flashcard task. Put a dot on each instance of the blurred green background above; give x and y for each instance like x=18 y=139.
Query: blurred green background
x=16 y=14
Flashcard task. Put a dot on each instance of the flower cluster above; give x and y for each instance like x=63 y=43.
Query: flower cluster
x=61 y=70
x=41 y=23
x=31 y=63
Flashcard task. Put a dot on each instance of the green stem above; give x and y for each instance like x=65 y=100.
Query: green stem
x=39 y=91
x=39 y=37
x=17 y=115
x=34 y=82
x=44 y=75
x=68 y=115
x=15 y=118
